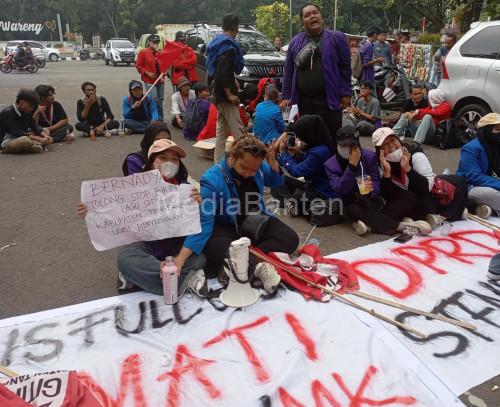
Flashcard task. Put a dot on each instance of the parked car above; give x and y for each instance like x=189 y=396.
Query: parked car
x=53 y=54
x=471 y=74
x=261 y=57
x=118 y=51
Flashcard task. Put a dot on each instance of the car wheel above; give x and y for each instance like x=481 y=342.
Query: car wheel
x=106 y=61
x=469 y=115
x=54 y=57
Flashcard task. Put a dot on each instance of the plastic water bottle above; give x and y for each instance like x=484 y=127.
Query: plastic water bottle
x=447 y=171
x=170 y=281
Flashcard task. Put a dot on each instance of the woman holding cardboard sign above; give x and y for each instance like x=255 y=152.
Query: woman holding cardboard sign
x=140 y=263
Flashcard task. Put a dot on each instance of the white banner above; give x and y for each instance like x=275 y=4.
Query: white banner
x=139 y=207
x=284 y=351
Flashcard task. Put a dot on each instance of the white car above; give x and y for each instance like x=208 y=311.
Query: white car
x=118 y=51
x=52 y=54
x=471 y=74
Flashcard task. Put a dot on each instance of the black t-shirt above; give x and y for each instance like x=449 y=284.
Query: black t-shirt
x=409 y=106
x=139 y=114
x=97 y=114
x=58 y=114
x=248 y=195
x=310 y=81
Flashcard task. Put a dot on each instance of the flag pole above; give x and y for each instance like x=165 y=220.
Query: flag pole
x=152 y=86
x=340 y=297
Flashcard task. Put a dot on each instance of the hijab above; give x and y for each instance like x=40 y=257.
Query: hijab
x=312 y=130
x=491 y=143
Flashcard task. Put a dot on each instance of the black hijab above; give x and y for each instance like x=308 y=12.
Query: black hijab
x=312 y=130
x=491 y=143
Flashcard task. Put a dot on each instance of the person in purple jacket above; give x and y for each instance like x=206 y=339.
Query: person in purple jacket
x=366 y=52
x=134 y=162
x=368 y=212
x=304 y=158
x=318 y=71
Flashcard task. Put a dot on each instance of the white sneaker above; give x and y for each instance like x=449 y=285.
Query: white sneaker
x=198 y=284
x=418 y=227
x=465 y=214
x=483 y=211
x=434 y=220
x=360 y=228
x=270 y=278
x=291 y=209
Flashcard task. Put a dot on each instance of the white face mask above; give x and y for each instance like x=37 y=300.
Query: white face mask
x=395 y=156
x=169 y=169
x=344 y=152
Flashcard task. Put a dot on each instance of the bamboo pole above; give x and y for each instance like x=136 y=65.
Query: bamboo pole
x=484 y=222
x=342 y=298
x=438 y=317
x=7 y=372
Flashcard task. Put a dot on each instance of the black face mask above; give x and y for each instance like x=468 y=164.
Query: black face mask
x=493 y=138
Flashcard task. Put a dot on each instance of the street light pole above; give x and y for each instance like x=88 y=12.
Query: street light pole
x=335 y=17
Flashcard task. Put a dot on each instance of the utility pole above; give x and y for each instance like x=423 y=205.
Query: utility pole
x=290 y=22
x=61 y=38
x=335 y=16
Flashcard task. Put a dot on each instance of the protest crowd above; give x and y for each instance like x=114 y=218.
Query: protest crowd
x=313 y=164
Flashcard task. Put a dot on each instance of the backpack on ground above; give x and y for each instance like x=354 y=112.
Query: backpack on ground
x=192 y=119
x=356 y=65
x=449 y=135
x=142 y=155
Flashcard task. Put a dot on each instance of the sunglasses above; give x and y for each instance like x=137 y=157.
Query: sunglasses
x=256 y=151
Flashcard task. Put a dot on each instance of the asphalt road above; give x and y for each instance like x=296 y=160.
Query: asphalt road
x=46 y=258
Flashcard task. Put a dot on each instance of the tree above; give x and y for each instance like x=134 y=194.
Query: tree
x=273 y=20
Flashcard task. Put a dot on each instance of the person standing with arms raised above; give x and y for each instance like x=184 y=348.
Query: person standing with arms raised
x=318 y=71
x=224 y=59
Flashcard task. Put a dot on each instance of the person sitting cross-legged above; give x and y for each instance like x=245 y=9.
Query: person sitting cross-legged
x=268 y=123
x=180 y=101
x=93 y=112
x=138 y=113
x=19 y=132
x=51 y=115
x=139 y=264
x=365 y=116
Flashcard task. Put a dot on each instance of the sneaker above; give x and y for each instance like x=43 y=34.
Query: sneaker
x=494 y=268
x=69 y=138
x=465 y=214
x=114 y=132
x=129 y=131
x=123 y=286
x=37 y=148
x=418 y=227
x=194 y=282
x=268 y=275
x=483 y=211
x=360 y=228
x=434 y=220
x=291 y=210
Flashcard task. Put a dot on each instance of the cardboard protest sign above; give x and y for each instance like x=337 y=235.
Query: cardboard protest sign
x=133 y=350
x=140 y=207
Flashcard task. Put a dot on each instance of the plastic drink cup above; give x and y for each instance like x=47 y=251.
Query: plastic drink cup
x=363 y=184
x=170 y=281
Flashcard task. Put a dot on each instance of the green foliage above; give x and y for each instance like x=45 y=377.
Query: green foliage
x=429 y=39
x=273 y=20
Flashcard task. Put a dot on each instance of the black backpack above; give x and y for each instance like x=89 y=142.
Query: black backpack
x=192 y=119
x=450 y=135
x=140 y=154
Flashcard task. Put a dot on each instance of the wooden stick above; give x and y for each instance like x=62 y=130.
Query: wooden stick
x=439 y=317
x=342 y=298
x=484 y=222
x=152 y=86
x=7 y=372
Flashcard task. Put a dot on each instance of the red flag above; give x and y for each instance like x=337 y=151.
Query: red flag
x=8 y=398
x=171 y=52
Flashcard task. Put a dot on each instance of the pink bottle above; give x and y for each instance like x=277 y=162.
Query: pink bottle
x=170 y=279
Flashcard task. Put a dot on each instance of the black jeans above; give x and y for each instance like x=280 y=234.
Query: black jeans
x=429 y=204
x=319 y=106
x=60 y=134
x=380 y=216
x=85 y=126
x=276 y=237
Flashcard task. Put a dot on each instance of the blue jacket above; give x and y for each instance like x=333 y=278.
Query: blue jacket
x=310 y=166
x=149 y=106
x=268 y=124
x=221 y=44
x=474 y=165
x=218 y=193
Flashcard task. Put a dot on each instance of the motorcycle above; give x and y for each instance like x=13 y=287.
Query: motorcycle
x=8 y=65
x=84 y=54
x=40 y=60
x=392 y=86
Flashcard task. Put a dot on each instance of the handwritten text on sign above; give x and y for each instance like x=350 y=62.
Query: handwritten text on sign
x=140 y=207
